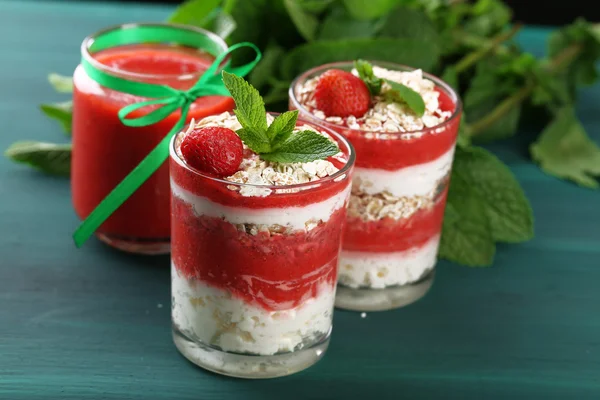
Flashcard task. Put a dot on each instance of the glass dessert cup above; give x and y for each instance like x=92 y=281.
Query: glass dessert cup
x=398 y=196
x=105 y=150
x=254 y=268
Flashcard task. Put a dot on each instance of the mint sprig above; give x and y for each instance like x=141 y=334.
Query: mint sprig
x=485 y=206
x=365 y=72
x=61 y=112
x=51 y=158
x=398 y=93
x=277 y=142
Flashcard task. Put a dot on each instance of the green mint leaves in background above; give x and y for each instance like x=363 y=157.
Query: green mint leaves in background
x=565 y=150
x=486 y=205
x=469 y=44
x=61 y=112
x=277 y=142
x=61 y=83
x=51 y=158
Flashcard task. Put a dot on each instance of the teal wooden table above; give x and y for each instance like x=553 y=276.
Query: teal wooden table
x=94 y=323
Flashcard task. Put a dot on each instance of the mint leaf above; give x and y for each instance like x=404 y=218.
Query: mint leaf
x=485 y=205
x=450 y=76
x=402 y=93
x=489 y=17
x=303 y=146
x=466 y=234
x=250 y=108
x=362 y=9
x=267 y=68
x=503 y=199
x=277 y=142
x=62 y=112
x=565 y=150
x=405 y=22
x=413 y=52
x=365 y=72
x=340 y=25
x=314 y=6
x=51 y=158
x=195 y=12
x=582 y=70
x=464 y=133
x=61 y=83
x=305 y=22
x=550 y=90
x=256 y=140
x=494 y=80
x=282 y=126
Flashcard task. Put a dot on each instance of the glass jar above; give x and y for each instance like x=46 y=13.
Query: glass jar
x=398 y=197
x=254 y=267
x=105 y=150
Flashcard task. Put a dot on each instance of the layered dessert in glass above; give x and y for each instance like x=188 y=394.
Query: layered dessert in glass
x=105 y=151
x=401 y=178
x=255 y=255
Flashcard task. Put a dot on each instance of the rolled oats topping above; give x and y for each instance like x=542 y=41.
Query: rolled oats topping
x=385 y=116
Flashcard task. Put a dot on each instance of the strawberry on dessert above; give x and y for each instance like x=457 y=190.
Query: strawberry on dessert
x=404 y=144
x=339 y=93
x=258 y=207
x=214 y=150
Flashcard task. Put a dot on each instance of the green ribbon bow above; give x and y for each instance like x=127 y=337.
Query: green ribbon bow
x=169 y=100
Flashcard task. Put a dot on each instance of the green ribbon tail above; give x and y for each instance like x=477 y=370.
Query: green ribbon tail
x=125 y=189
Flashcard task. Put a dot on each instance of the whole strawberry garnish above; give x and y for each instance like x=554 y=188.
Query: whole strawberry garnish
x=341 y=94
x=214 y=150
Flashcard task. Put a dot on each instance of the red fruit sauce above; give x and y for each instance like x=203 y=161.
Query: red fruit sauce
x=105 y=150
x=389 y=235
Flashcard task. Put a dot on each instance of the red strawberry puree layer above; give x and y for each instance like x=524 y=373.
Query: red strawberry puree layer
x=276 y=272
x=389 y=235
x=105 y=150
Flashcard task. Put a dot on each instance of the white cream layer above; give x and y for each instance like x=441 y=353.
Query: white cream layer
x=416 y=180
x=292 y=217
x=380 y=270
x=214 y=317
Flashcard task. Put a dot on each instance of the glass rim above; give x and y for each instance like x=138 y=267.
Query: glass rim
x=386 y=64
x=306 y=185
x=88 y=41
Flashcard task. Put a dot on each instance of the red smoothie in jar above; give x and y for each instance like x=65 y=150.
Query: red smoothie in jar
x=105 y=151
x=400 y=184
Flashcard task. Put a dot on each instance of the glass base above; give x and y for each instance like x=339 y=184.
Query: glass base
x=248 y=366
x=137 y=245
x=362 y=299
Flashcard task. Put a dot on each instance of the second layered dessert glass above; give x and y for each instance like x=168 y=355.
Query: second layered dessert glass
x=400 y=184
x=254 y=258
